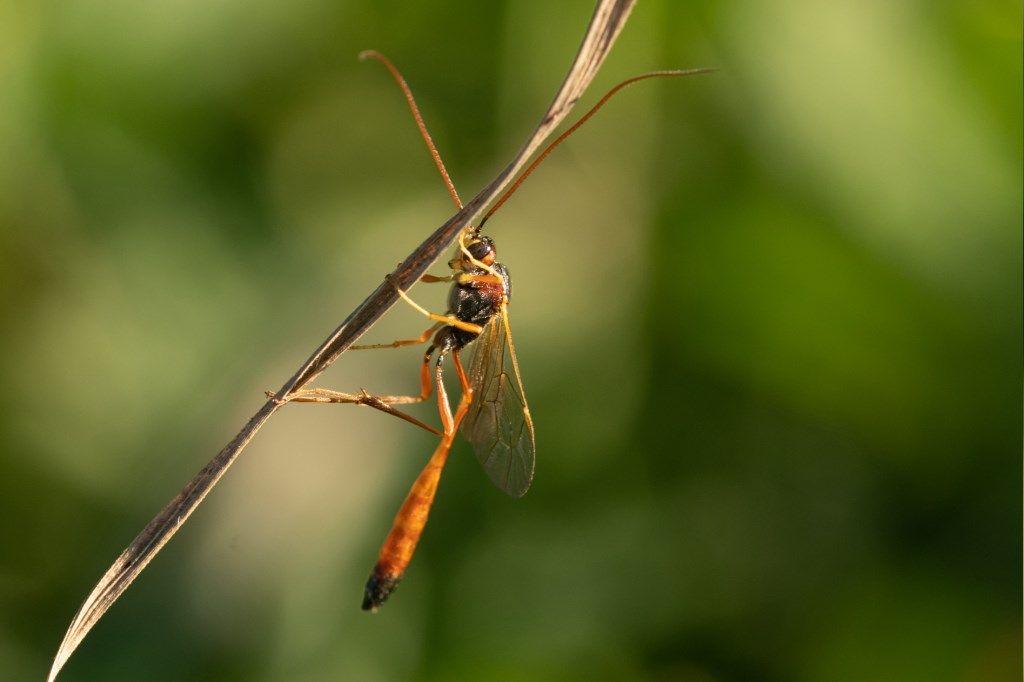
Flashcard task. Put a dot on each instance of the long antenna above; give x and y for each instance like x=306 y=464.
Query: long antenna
x=373 y=54
x=583 y=119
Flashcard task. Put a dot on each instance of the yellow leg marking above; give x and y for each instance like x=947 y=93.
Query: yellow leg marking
x=453 y=321
x=468 y=256
x=449 y=320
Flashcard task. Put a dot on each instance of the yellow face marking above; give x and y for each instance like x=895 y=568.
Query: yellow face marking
x=468 y=257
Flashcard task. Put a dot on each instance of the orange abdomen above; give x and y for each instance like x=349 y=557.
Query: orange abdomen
x=398 y=548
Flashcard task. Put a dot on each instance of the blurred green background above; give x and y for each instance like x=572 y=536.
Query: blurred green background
x=769 y=322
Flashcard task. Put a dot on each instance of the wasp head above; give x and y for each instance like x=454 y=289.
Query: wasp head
x=480 y=249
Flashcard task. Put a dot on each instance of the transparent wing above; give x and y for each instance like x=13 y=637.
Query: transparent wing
x=498 y=423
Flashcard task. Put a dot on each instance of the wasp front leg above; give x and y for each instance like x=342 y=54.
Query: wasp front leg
x=448 y=320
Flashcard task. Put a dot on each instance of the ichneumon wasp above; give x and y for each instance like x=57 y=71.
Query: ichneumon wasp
x=492 y=412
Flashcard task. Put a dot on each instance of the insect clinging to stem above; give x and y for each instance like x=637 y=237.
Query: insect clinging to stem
x=492 y=413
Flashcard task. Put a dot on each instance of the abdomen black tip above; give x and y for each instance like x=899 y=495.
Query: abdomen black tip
x=378 y=589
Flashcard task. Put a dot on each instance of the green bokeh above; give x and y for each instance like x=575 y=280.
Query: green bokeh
x=769 y=322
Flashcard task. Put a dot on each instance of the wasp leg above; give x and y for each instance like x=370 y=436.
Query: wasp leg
x=433 y=279
x=383 y=403
x=326 y=395
x=380 y=402
x=449 y=320
x=422 y=338
x=461 y=371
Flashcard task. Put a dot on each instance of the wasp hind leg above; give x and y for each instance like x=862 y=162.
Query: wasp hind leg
x=384 y=403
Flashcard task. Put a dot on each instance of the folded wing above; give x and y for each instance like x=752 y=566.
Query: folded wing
x=499 y=424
